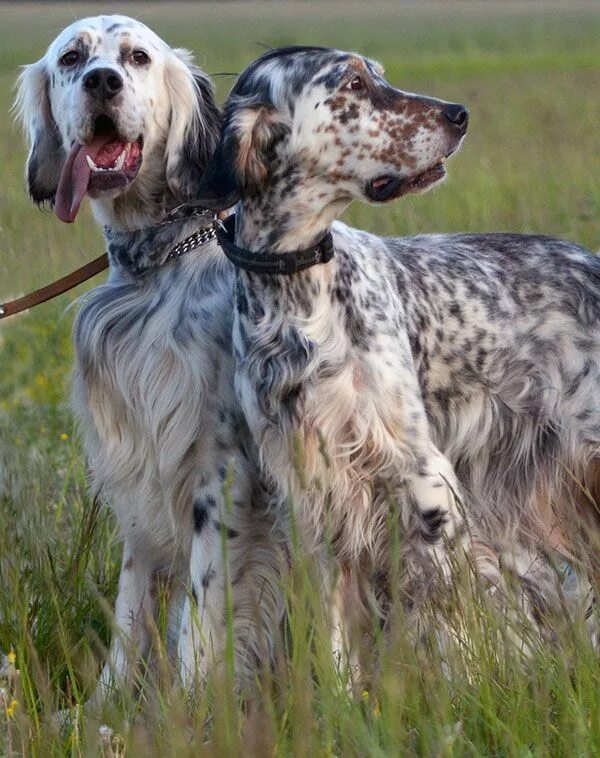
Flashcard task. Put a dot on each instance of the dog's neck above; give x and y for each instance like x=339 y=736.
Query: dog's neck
x=131 y=211
x=281 y=219
x=145 y=251
x=137 y=239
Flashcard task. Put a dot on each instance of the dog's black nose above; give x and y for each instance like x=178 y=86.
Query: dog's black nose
x=103 y=83
x=457 y=115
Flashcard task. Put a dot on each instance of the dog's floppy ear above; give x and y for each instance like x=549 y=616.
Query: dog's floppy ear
x=241 y=164
x=46 y=154
x=194 y=126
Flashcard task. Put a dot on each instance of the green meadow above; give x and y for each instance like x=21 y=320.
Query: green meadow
x=530 y=74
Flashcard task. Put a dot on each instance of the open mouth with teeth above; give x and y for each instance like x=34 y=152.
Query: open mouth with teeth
x=107 y=162
x=389 y=187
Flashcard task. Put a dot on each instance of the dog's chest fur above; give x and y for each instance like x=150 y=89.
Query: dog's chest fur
x=153 y=391
x=324 y=383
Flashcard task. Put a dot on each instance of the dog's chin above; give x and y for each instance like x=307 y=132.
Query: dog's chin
x=386 y=187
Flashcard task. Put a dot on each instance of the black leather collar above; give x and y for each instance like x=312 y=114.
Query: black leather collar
x=265 y=263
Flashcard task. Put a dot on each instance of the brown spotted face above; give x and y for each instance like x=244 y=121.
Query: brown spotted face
x=370 y=139
x=106 y=108
x=326 y=126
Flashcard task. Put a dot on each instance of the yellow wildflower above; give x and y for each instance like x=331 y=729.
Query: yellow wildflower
x=11 y=658
x=366 y=698
x=64 y=437
x=10 y=709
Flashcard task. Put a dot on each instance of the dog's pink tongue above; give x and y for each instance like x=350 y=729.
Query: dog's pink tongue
x=74 y=179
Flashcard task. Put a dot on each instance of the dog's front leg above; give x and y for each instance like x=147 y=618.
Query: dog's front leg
x=134 y=616
x=445 y=527
x=203 y=624
x=351 y=626
x=438 y=498
x=445 y=533
x=234 y=607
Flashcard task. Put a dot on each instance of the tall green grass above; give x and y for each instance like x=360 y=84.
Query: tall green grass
x=530 y=74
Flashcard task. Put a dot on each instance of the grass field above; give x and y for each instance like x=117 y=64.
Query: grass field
x=530 y=74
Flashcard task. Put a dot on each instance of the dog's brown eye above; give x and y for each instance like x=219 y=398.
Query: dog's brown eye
x=140 y=58
x=356 y=83
x=70 y=58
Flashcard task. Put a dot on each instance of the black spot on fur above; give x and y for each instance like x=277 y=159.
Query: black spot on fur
x=200 y=516
x=433 y=520
x=241 y=301
x=207 y=578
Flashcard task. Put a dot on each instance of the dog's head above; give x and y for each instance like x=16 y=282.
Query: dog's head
x=113 y=112
x=329 y=120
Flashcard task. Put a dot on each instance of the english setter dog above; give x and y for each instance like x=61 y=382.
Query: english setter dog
x=115 y=114
x=430 y=370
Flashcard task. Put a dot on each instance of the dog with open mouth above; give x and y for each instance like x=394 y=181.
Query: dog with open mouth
x=410 y=373
x=107 y=110
x=115 y=114
x=97 y=167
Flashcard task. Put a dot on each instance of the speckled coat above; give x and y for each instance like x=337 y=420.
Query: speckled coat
x=428 y=372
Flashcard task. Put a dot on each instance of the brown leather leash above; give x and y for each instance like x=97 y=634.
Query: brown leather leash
x=80 y=275
x=56 y=288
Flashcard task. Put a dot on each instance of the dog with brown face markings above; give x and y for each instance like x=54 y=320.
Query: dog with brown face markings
x=115 y=114
x=425 y=371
